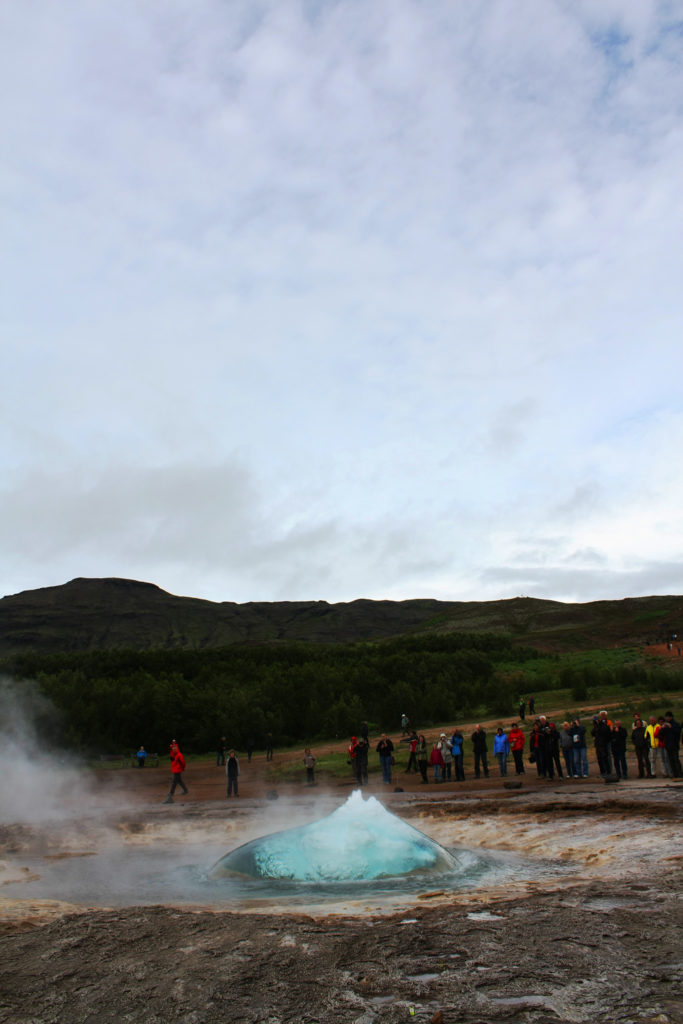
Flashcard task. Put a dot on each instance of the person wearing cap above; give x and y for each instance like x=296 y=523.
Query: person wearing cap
x=177 y=769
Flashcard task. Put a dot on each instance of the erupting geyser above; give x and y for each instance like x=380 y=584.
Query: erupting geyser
x=360 y=840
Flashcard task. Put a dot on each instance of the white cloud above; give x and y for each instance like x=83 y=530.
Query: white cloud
x=322 y=300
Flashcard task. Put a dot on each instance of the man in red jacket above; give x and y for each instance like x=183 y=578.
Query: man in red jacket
x=177 y=769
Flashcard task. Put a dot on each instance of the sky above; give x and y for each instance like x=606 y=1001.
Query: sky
x=328 y=299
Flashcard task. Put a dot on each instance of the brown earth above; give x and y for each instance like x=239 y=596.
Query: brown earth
x=601 y=944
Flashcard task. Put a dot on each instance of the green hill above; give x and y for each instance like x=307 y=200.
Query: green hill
x=111 y=614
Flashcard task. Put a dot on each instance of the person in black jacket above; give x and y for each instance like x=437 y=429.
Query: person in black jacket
x=480 y=751
x=385 y=749
x=619 y=750
x=639 y=741
x=671 y=734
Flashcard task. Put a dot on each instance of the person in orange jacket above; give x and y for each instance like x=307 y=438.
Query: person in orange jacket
x=177 y=768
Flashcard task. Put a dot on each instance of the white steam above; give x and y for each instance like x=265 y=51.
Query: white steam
x=39 y=783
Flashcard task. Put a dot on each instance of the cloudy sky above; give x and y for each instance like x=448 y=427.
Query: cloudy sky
x=327 y=299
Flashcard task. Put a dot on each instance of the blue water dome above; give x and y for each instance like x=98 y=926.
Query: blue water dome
x=360 y=840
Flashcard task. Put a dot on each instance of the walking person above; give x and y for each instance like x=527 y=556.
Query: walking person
x=232 y=770
x=177 y=768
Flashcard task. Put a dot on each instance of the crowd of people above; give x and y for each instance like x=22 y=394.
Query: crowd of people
x=554 y=751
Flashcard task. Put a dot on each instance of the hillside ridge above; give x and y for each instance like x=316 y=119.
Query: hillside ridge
x=113 y=613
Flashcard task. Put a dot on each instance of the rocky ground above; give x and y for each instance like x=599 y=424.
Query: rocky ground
x=600 y=943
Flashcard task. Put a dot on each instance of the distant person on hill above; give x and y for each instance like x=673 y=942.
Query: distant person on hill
x=232 y=770
x=177 y=769
x=405 y=722
x=220 y=752
x=250 y=744
x=480 y=748
x=269 y=747
x=532 y=706
x=385 y=749
x=365 y=732
x=516 y=740
x=142 y=757
x=309 y=764
x=522 y=709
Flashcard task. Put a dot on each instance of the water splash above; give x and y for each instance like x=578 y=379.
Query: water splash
x=361 y=840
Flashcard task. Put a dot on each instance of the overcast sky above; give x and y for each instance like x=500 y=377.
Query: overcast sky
x=327 y=299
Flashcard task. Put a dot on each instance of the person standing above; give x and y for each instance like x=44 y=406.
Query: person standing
x=567 y=748
x=250 y=744
x=422 y=757
x=385 y=749
x=436 y=761
x=479 y=746
x=458 y=754
x=652 y=736
x=309 y=764
x=619 y=750
x=554 y=750
x=516 y=740
x=232 y=770
x=220 y=752
x=360 y=762
x=269 y=747
x=177 y=768
x=501 y=749
x=532 y=706
x=405 y=722
x=412 y=757
x=580 y=749
x=640 y=744
x=447 y=755
x=522 y=709
x=142 y=757
x=671 y=731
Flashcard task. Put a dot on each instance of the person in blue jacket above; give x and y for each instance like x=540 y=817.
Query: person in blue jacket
x=501 y=748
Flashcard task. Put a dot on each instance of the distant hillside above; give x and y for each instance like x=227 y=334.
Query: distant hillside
x=99 y=614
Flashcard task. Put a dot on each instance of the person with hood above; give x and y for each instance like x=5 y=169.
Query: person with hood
x=554 y=750
x=501 y=749
x=232 y=771
x=457 y=753
x=567 y=748
x=480 y=748
x=516 y=740
x=177 y=768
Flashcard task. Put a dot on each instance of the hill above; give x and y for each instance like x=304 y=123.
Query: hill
x=109 y=614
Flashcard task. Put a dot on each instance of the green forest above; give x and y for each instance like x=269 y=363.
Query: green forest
x=116 y=700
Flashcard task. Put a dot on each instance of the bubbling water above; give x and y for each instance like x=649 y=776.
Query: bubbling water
x=360 y=841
